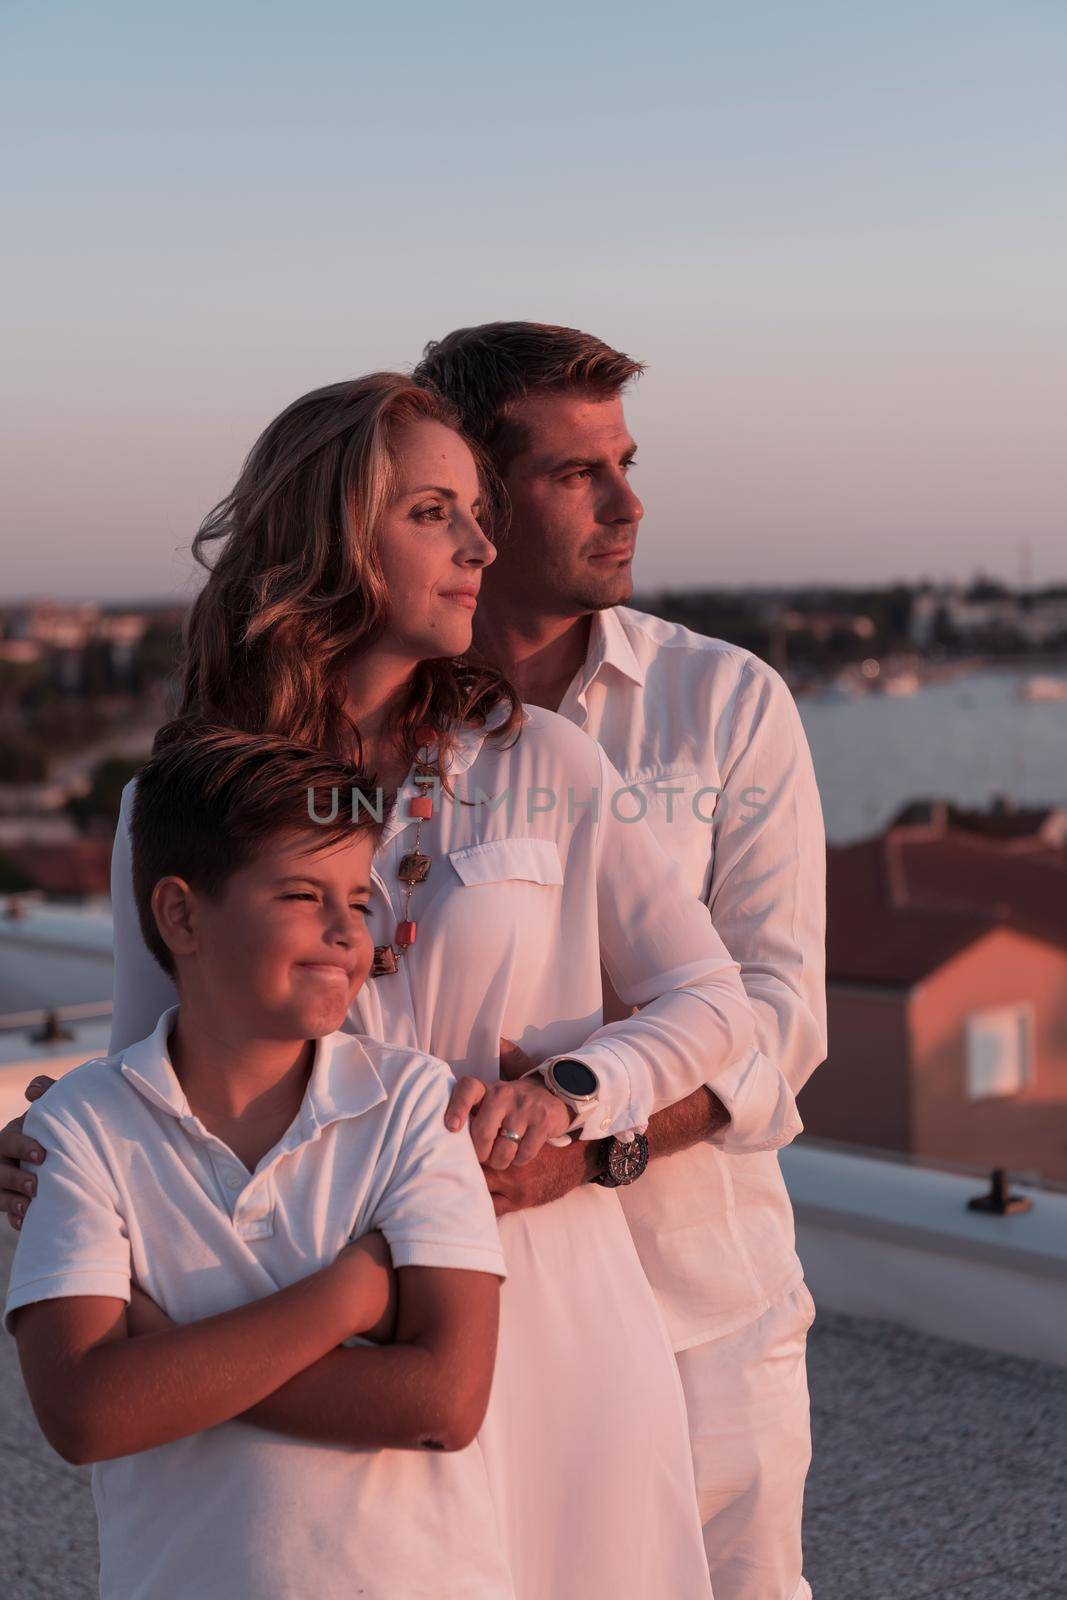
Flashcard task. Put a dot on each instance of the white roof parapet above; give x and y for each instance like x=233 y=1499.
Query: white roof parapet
x=881 y=1238
x=21 y=1059
x=85 y=929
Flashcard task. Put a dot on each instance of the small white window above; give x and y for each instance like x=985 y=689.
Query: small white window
x=999 y=1051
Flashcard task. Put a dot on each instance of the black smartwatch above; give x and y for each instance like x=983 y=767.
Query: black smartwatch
x=620 y=1163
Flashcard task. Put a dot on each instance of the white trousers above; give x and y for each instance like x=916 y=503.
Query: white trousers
x=749 y=1423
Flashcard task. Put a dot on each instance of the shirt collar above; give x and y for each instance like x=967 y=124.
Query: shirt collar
x=469 y=740
x=609 y=646
x=466 y=746
x=343 y=1081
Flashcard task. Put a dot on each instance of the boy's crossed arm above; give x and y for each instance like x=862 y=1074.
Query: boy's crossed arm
x=98 y=1394
x=431 y=1385
x=430 y=1388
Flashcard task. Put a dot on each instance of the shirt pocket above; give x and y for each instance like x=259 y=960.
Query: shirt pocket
x=670 y=787
x=495 y=860
x=679 y=806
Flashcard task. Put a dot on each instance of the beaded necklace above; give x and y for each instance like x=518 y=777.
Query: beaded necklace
x=414 y=866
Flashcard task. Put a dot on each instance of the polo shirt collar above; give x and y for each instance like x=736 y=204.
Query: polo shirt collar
x=343 y=1083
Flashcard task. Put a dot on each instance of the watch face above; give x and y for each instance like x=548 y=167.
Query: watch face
x=575 y=1078
x=627 y=1161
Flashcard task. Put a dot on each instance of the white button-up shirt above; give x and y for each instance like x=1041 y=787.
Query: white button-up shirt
x=547 y=875
x=134 y=1184
x=709 y=739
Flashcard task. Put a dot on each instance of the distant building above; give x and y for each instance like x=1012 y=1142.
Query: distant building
x=947 y=980
x=75 y=869
x=62 y=632
x=55 y=624
x=988 y=614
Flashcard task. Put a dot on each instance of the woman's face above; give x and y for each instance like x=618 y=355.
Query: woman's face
x=431 y=546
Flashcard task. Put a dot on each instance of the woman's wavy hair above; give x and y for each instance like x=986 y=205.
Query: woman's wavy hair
x=295 y=586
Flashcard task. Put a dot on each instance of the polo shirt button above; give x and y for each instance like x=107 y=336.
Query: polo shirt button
x=233 y=1181
x=606 y=1124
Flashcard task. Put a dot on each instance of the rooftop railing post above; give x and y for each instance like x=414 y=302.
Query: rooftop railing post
x=1000 y=1202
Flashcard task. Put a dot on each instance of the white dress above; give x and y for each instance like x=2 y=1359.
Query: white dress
x=585 y=1440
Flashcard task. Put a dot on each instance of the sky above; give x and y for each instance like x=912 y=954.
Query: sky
x=835 y=230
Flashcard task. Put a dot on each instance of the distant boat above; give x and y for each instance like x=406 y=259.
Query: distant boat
x=1043 y=688
x=901 y=683
x=845 y=685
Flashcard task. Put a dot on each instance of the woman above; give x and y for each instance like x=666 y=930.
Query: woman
x=339 y=611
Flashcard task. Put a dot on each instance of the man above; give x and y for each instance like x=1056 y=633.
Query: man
x=709 y=742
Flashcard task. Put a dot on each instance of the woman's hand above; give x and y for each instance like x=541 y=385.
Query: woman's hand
x=18 y=1187
x=524 y=1106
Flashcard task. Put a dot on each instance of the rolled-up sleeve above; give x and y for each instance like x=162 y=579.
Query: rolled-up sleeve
x=663 y=954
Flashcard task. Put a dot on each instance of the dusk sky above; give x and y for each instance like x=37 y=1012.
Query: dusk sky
x=836 y=231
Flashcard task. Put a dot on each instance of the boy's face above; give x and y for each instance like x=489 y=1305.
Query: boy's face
x=286 y=947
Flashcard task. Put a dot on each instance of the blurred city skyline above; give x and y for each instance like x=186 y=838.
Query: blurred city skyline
x=833 y=232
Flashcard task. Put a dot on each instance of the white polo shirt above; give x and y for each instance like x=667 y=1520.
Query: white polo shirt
x=708 y=740
x=134 y=1184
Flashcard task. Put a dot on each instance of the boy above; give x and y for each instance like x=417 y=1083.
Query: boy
x=222 y=1166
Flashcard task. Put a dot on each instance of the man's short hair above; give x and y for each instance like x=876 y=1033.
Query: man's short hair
x=486 y=371
x=206 y=804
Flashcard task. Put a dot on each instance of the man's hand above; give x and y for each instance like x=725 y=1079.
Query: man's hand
x=524 y=1106
x=553 y=1174
x=514 y=1062
x=17 y=1188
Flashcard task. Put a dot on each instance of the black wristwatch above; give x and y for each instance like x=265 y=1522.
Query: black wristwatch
x=620 y=1163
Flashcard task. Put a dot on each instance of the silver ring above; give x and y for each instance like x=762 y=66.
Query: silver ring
x=506 y=1133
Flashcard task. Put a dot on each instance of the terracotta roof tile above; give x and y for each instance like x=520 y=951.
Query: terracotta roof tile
x=78 y=867
x=901 y=905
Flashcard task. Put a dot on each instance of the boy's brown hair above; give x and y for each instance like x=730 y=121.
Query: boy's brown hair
x=206 y=805
x=484 y=372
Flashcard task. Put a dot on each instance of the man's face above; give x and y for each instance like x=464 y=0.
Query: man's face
x=574 y=519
